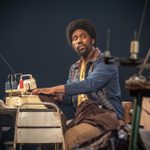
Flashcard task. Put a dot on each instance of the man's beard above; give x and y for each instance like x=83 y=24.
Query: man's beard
x=82 y=53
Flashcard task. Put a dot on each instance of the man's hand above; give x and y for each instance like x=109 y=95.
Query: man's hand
x=47 y=91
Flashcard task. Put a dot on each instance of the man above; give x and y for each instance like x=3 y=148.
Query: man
x=92 y=85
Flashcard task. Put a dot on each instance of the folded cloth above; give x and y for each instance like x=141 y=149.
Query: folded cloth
x=91 y=113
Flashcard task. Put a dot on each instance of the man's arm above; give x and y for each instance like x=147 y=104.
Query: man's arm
x=53 y=90
x=50 y=91
x=97 y=80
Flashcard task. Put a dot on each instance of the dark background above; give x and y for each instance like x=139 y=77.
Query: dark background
x=33 y=38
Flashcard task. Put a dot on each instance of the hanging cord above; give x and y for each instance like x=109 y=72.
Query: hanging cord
x=145 y=61
x=8 y=65
x=142 y=19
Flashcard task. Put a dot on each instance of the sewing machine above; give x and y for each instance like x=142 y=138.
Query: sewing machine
x=18 y=89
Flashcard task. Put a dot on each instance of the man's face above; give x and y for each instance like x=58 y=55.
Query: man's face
x=82 y=43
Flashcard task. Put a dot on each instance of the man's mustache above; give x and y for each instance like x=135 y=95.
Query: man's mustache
x=79 y=45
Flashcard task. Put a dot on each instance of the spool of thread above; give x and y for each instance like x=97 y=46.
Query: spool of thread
x=21 y=84
x=134 y=49
x=7 y=86
x=14 y=85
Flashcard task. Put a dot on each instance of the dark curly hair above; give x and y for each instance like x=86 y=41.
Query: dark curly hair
x=80 y=24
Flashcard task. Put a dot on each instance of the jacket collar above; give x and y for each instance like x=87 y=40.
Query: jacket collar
x=93 y=56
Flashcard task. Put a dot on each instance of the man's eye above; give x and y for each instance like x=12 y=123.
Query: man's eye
x=84 y=36
x=74 y=39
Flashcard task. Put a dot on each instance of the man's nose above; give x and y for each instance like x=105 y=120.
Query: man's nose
x=79 y=40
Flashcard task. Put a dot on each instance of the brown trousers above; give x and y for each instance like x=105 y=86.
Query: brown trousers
x=79 y=134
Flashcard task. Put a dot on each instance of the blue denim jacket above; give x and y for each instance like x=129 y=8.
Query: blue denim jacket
x=101 y=83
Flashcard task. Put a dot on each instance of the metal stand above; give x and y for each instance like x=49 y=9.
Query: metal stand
x=135 y=122
x=136 y=116
x=39 y=126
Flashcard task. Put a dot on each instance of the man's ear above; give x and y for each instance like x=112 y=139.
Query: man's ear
x=93 y=41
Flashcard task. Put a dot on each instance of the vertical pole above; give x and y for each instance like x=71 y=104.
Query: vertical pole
x=135 y=122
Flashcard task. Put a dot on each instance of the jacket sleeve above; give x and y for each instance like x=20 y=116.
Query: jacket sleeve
x=95 y=81
x=67 y=99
